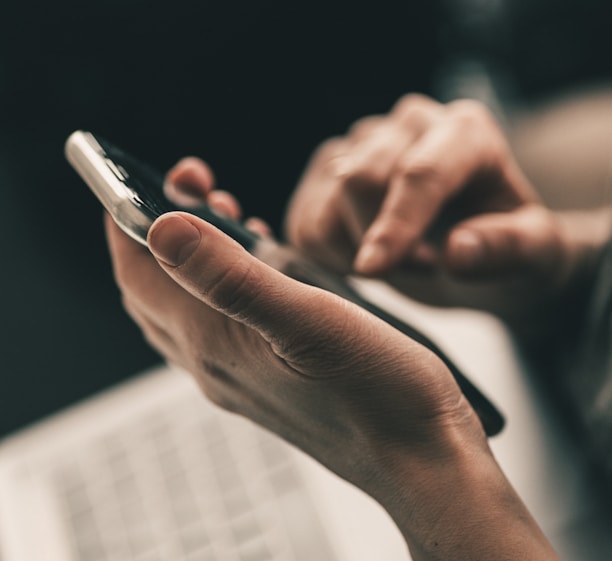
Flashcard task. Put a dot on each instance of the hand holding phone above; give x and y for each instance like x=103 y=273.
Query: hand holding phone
x=132 y=193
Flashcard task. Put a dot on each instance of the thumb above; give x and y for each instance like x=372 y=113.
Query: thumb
x=526 y=239
x=218 y=271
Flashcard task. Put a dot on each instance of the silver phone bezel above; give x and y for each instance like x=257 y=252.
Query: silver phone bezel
x=107 y=181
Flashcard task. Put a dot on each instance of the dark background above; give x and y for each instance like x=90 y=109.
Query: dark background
x=252 y=87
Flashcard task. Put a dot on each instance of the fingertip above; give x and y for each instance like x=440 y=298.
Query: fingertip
x=465 y=250
x=224 y=203
x=383 y=246
x=192 y=170
x=184 y=195
x=258 y=226
x=173 y=239
x=372 y=258
x=189 y=182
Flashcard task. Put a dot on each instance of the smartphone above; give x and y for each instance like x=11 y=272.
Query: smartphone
x=132 y=193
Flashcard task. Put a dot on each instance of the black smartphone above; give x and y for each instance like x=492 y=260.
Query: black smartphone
x=132 y=192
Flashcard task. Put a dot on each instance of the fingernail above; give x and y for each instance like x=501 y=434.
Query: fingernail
x=174 y=240
x=371 y=258
x=467 y=248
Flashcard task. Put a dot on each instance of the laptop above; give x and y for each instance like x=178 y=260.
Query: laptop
x=150 y=470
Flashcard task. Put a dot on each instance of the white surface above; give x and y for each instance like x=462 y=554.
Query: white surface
x=30 y=528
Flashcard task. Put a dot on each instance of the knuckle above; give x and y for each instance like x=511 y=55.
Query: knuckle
x=372 y=160
x=329 y=149
x=234 y=289
x=474 y=120
x=421 y=173
x=397 y=227
x=329 y=157
x=471 y=113
x=413 y=104
x=365 y=126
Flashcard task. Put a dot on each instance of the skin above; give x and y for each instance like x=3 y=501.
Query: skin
x=372 y=405
x=430 y=198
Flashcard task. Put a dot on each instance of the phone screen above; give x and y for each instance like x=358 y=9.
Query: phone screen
x=145 y=183
x=144 y=188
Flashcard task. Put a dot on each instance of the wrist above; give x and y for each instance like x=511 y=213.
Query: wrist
x=456 y=503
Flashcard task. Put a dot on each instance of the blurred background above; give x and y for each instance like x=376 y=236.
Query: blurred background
x=253 y=88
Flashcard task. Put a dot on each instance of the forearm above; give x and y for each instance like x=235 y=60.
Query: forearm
x=465 y=509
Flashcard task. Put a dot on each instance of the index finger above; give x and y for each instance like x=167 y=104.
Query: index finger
x=430 y=172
